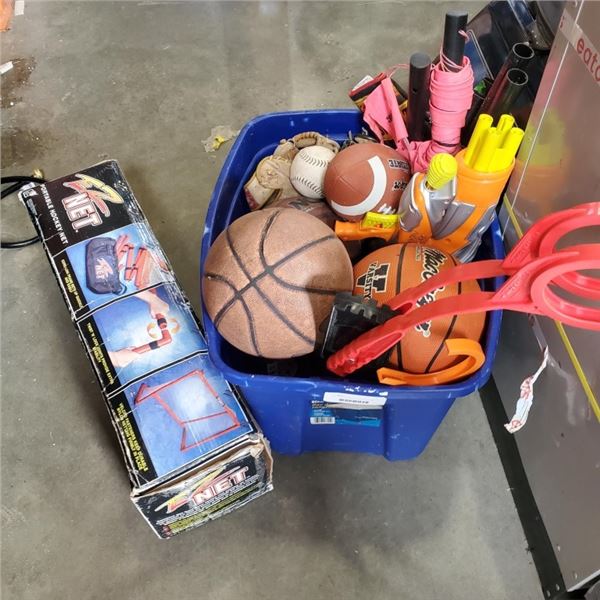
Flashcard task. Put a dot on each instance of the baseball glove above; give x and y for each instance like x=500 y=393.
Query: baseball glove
x=289 y=148
x=271 y=180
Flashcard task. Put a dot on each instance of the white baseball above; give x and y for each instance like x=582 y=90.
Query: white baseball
x=307 y=172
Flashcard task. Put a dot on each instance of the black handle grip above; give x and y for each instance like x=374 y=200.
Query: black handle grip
x=519 y=57
x=418 y=95
x=454 y=43
x=508 y=92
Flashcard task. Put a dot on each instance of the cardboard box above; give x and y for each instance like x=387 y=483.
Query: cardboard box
x=192 y=450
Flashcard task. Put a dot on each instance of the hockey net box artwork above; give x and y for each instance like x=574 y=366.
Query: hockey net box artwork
x=191 y=448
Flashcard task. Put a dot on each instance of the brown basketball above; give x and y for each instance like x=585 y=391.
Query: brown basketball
x=270 y=280
x=365 y=178
x=388 y=271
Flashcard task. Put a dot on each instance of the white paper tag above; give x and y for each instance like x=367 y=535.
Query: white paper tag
x=355 y=400
x=525 y=401
x=19 y=7
x=362 y=82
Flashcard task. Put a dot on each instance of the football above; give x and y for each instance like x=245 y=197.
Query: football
x=365 y=178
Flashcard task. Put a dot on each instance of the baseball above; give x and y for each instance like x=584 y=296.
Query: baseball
x=308 y=170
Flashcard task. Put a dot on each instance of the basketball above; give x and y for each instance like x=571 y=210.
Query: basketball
x=365 y=178
x=270 y=280
x=388 y=271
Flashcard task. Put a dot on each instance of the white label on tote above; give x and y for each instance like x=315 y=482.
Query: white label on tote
x=355 y=400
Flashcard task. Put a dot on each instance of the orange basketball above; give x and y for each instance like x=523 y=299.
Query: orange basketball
x=386 y=272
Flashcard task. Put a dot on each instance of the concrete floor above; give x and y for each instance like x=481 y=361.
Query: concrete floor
x=144 y=82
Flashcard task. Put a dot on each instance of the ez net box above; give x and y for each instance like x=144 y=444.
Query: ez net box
x=192 y=450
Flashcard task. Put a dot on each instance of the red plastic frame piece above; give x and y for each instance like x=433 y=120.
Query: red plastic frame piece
x=147 y=392
x=533 y=266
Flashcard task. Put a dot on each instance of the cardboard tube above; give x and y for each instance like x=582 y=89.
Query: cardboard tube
x=519 y=57
x=508 y=92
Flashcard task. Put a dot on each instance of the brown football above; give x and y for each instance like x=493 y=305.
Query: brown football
x=365 y=178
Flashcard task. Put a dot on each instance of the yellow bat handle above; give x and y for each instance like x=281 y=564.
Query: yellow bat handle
x=513 y=141
x=505 y=124
x=484 y=122
x=490 y=143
